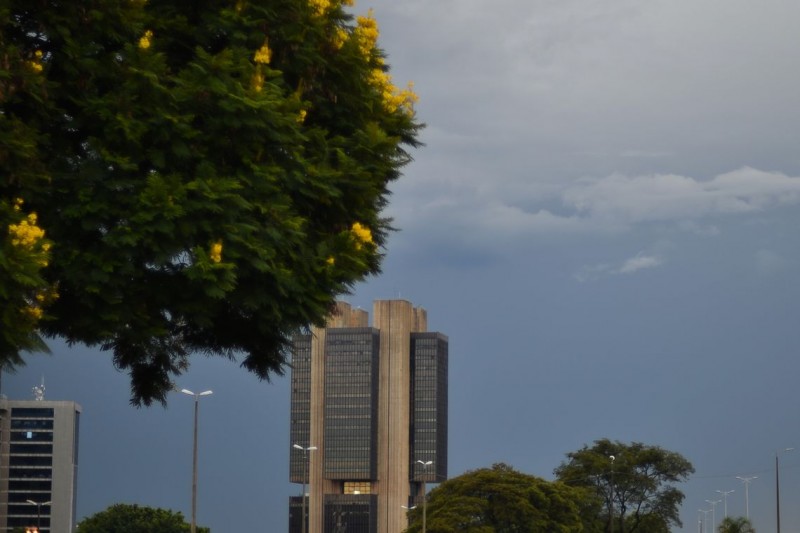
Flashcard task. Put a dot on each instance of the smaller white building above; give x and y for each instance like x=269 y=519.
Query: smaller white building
x=38 y=464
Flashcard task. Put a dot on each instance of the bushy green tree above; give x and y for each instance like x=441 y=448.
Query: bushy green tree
x=737 y=524
x=126 y=518
x=210 y=174
x=635 y=482
x=500 y=499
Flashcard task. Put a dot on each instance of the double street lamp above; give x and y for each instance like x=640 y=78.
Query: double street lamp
x=305 y=451
x=425 y=465
x=746 y=481
x=705 y=518
x=778 y=490
x=725 y=498
x=713 y=504
x=38 y=512
x=194 y=454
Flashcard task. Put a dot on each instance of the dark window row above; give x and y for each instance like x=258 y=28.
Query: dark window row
x=26 y=423
x=32 y=412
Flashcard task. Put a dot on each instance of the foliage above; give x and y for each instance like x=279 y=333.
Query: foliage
x=125 y=518
x=210 y=174
x=24 y=293
x=738 y=524
x=500 y=499
x=635 y=483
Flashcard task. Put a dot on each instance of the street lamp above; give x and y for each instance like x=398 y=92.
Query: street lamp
x=778 y=490
x=746 y=481
x=725 y=498
x=38 y=512
x=705 y=517
x=713 y=504
x=611 y=502
x=305 y=475
x=425 y=465
x=407 y=509
x=194 y=454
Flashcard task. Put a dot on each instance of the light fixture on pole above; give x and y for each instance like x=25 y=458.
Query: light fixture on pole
x=746 y=481
x=407 y=509
x=611 y=500
x=194 y=453
x=425 y=465
x=705 y=517
x=713 y=504
x=725 y=499
x=38 y=512
x=778 y=491
x=305 y=451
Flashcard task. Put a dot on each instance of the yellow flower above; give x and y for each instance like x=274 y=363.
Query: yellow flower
x=258 y=81
x=331 y=261
x=393 y=98
x=263 y=55
x=26 y=233
x=34 y=312
x=362 y=234
x=366 y=31
x=301 y=116
x=340 y=36
x=216 y=252
x=144 y=42
x=319 y=5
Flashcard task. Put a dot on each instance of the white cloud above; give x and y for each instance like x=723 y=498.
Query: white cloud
x=629 y=266
x=638 y=263
x=665 y=197
x=492 y=213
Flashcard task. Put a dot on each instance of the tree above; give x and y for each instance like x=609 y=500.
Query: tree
x=500 y=499
x=126 y=518
x=737 y=524
x=210 y=174
x=634 y=481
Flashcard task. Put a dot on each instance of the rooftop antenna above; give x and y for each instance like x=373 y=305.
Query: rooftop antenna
x=38 y=392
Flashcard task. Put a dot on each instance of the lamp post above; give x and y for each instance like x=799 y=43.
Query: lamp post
x=305 y=451
x=38 y=512
x=407 y=509
x=725 y=499
x=713 y=504
x=778 y=491
x=194 y=453
x=611 y=501
x=425 y=465
x=705 y=517
x=746 y=481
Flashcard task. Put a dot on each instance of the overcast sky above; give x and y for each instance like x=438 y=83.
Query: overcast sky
x=603 y=221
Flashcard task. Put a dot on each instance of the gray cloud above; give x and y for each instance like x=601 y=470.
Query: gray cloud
x=492 y=213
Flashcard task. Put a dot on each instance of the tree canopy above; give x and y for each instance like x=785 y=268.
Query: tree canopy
x=189 y=177
x=635 y=483
x=500 y=499
x=131 y=518
x=735 y=524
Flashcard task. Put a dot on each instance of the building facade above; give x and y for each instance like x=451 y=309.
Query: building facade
x=368 y=419
x=38 y=464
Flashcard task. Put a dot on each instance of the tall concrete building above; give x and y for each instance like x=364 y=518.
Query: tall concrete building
x=38 y=464
x=368 y=419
